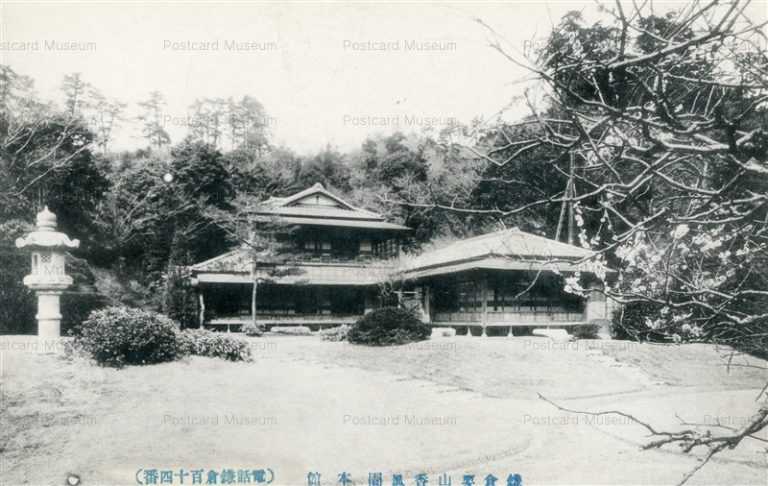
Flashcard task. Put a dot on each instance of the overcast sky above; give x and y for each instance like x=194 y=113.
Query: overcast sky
x=324 y=73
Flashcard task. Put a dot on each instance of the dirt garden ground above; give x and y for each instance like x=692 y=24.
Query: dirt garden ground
x=451 y=405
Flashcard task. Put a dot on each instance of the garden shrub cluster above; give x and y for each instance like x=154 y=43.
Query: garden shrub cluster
x=253 y=330
x=585 y=331
x=201 y=342
x=645 y=321
x=338 y=333
x=119 y=336
x=291 y=330
x=387 y=326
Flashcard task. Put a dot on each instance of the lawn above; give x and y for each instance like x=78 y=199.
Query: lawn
x=450 y=405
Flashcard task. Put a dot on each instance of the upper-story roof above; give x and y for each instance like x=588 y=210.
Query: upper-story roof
x=317 y=206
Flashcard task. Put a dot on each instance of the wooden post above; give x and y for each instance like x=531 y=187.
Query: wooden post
x=201 y=302
x=571 y=194
x=253 y=300
x=484 y=303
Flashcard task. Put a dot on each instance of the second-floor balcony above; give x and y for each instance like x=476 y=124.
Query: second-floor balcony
x=295 y=269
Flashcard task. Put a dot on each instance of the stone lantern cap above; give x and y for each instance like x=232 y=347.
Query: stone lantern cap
x=46 y=235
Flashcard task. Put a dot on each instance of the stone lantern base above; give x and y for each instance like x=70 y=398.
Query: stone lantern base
x=49 y=314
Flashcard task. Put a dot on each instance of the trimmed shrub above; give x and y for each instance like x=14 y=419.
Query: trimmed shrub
x=200 y=342
x=118 y=336
x=253 y=330
x=338 y=333
x=291 y=330
x=585 y=331
x=443 y=332
x=387 y=326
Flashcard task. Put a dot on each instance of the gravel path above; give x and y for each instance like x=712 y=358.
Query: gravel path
x=306 y=405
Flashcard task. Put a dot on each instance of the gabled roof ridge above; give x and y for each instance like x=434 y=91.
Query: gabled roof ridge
x=495 y=234
x=477 y=237
x=199 y=265
x=317 y=188
x=549 y=241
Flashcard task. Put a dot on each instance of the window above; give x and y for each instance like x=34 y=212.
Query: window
x=316 y=245
x=531 y=293
x=386 y=248
x=468 y=296
x=312 y=300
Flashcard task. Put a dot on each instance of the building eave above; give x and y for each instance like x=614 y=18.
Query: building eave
x=497 y=263
x=341 y=223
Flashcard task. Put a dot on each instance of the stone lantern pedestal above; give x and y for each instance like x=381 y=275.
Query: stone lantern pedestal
x=48 y=277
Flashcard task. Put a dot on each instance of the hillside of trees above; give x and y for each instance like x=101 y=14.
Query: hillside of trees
x=650 y=135
x=143 y=212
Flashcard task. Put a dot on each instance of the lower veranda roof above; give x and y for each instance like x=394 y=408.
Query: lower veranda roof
x=236 y=267
x=510 y=249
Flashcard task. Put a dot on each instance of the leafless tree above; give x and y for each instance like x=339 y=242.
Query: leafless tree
x=35 y=140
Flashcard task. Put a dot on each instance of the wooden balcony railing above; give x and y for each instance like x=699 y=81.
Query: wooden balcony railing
x=275 y=319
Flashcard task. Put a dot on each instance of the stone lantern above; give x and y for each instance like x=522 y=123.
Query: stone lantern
x=48 y=278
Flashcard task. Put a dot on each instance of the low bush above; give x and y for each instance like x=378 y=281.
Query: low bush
x=646 y=321
x=201 y=342
x=291 y=330
x=387 y=326
x=253 y=330
x=118 y=336
x=585 y=331
x=338 y=333
x=443 y=332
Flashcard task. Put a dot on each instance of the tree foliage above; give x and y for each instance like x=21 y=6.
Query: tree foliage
x=153 y=118
x=664 y=117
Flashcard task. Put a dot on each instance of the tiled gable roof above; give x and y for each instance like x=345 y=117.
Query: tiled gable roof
x=294 y=211
x=235 y=261
x=511 y=243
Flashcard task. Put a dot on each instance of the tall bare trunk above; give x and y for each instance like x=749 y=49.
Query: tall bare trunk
x=253 y=294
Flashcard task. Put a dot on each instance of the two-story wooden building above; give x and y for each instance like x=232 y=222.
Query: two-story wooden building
x=341 y=255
